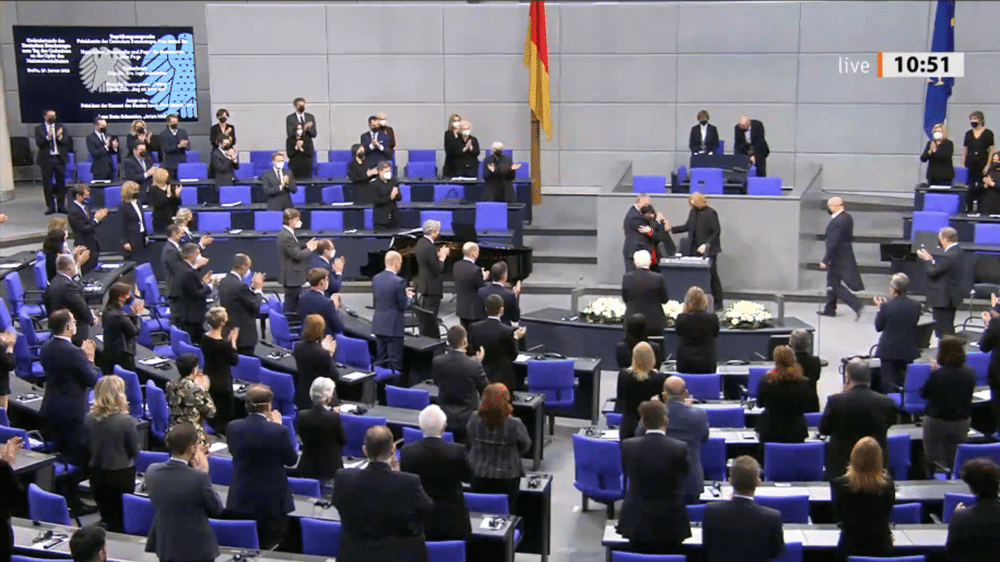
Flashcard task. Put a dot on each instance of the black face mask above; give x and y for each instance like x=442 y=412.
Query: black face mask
x=103 y=129
x=50 y=120
x=173 y=127
x=498 y=153
x=703 y=122
x=829 y=211
x=140 y=131
x=361 y=155
x=142 y=153
x=223 y=119
x=300 y=108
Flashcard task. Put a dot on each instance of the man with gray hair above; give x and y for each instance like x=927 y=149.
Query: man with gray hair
x=800 y=341
x=430 y=268
x=442 y=467
x=896 y=319
x=64 y=291
x=690 y=425
x=498 y=175
x=856 y=412
x=636 y=230
x=644 y=292
x=322 y=434
x=943 y=293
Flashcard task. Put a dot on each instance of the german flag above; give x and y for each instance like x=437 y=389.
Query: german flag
x=536 y=58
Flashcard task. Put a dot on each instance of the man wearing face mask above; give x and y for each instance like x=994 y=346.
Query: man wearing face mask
x=292 y=258
x=224 y=160
x=102 y=148
x=383 y=125
x=750 y=140
x=498 y=175
x=173 y=146
x=704 y=136
x=323 y=258
x=65 y=292
x=54 y=145
x=376 y=144
x=278 y=185
x=139 y=168
x=467 y=159
x=307 y=121
x=841 y=267
x=385 y=193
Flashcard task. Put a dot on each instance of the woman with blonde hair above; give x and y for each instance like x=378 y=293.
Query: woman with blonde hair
x=938 y=154
x=452 y=146
x=113 y=444
x=862 y=502
x=697 y=330
x=165 y=198
x=784 y=393
x=183 y=219
x=139 y=133
x=134 y=235
x=497 y=442
x=636 y=384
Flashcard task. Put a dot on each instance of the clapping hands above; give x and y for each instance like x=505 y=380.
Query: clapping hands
x=329 y=344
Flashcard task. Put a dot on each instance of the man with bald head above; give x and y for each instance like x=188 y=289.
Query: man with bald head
x=842 y=276
x=498 y=175
x=637 y=231
x=943 y=293
x=469 y=278
x=392 y=297
x=690 y=425
x=750 y=140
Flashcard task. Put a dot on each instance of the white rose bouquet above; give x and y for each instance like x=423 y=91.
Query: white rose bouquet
x=671 y=309
x=745 y=315
x=605 y=310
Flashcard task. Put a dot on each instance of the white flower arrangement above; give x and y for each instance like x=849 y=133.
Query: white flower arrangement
x=671 y=309
x=605 y=310
x=746 y=314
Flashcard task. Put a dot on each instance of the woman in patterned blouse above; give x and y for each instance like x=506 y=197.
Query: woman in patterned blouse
x=188 y=396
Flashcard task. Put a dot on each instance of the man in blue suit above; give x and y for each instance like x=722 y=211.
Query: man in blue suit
x=896 y=319
x=842 y=275
x=315 y=301
x=511 y=306
x=376 y=143
x=392 y=298
x=690 y=425
x=102 y=149
x=69 y=372
x=323 y=258
x=261 y=448
x=173 y=146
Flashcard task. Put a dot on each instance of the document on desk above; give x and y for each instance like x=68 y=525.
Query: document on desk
x=981 y=395
x=153 y=361
x=356 y=375
x=233 y=204
x=610 y=434
x=348 y=408
x=217 y=446
x=522 y=358
x=109 y=266
x=356 y=464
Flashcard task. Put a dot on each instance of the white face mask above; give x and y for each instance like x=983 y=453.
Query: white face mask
x=381 y=122
x=279 y=165
x=466 y=132
x=387 y=176
x=297 y=225
x=72 y=329
x=455 y=124
x=938 y=135
x=333 y=253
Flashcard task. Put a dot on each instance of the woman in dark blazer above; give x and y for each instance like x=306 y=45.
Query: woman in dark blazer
x=466 y=153
x=636 y=384
x=53 y=245
x=785 y=396
x=113 y=444
x=452 y=145
x=635 y=332
x=988 y=343
x=164 y=198
x=300 y=152
x=361 y=176
x=220 y=358
x=134 y=235
x=313 y=358
x=322 y=433
x=989 y=204
x=938 y=154
x=862 y=503
x=948 y=413
x=697 y=330
x=222 y=128
x=121 y=328
x=812 y=366
x=11 y=494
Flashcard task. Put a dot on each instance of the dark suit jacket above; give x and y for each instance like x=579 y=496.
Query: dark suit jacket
x=311 y=361
x=171 y=153
x=839 y=256
x=990 y=341
x=974 y=532
x=184 y=501
x=382 y=513
x=466 y=164
x=13 y=495
x=68 y=375
x=101 y=159
x=644 y=292
x=389 y=292
x=292 y=259
x=634 y=240
x=468 y=279
x=849 y=416
x=500 y=346
x=897 y=320
x=702 y=227
x=292 y=123
x=429 y=282
x=459 y=379
x=452 y=151
x=944 y=279
x=864 y=519
x=120 y=332
x=499 y=186
x=63 y=292
x=697 y=333
x=689 y=424
x=131 y=234
x=812 y=368
x=785 y=405
x=278 y=198
x=216 y=133
x=315 y=302
x=376 y=155
x=319 y=261
x=188 y=293
x=64 y=146
x=442 y=467
x=758 y=142
x=165 y=205
x=511 y=306
x=133 y=171
x=384 y=210
x=172 y=262
x=741 y=530
x=242 y=305
x=323 y=440
x=84 y=232
x=261 y=450
x=221 y=167
x=711 y=143
x=653 y=511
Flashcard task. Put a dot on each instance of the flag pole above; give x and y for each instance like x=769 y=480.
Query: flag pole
x=536 y=160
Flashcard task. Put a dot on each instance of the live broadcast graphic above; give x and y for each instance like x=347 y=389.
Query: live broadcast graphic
x=117 y=73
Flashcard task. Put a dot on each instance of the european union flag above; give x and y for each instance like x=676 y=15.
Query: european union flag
x=939 y=89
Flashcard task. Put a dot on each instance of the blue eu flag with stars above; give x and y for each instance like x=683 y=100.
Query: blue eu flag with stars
x=939 y=89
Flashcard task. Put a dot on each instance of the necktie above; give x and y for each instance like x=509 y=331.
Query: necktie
x=281 y=178
x=103 y=141
x=142 y=162
x=302 y=119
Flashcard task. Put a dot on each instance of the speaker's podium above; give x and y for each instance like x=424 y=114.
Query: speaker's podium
x=682 y=273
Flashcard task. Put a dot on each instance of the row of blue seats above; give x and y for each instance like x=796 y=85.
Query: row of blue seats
x=934 y=221
x=709 y=181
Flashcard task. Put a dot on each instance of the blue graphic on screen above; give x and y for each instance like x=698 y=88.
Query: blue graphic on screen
x=170 y=76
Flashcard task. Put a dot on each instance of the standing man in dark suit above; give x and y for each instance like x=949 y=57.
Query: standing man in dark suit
x=499 y=172
x=653 y=517
x=139 y=168
x=376 y=144
x=943 y=293
x=188 y=291
x=242 y=303
x=460 y=380
x=645 y=292
x=277 y=184
x=300 y=119
x=974 y=530
x=856 y=412
x=314 y=301
x=750 y=140
x=173 y=146
x=498 y=343
x=292 y=258
x=382 y=510
x=64 y=292
x=637 y=231
x=84 y=225
x=184 y=500
x=170 y=257
x=896 y=319
x=223 y=161
x=323 y=258
x=69 y=372
x=704 y=137
x=688 y=424
x=498 y=286
x=322 y=434
x=261 y=447
x=704 y=234
x=430 y=267
x=842 y=275
x=54 y=147
x=468 y=278
x=102 y=149
x=392 y=297
x=383 y=126
x=741 y=522
x=385 y=193
x=442 y=467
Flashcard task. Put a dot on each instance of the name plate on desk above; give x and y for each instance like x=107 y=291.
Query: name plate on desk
x=356 y=376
